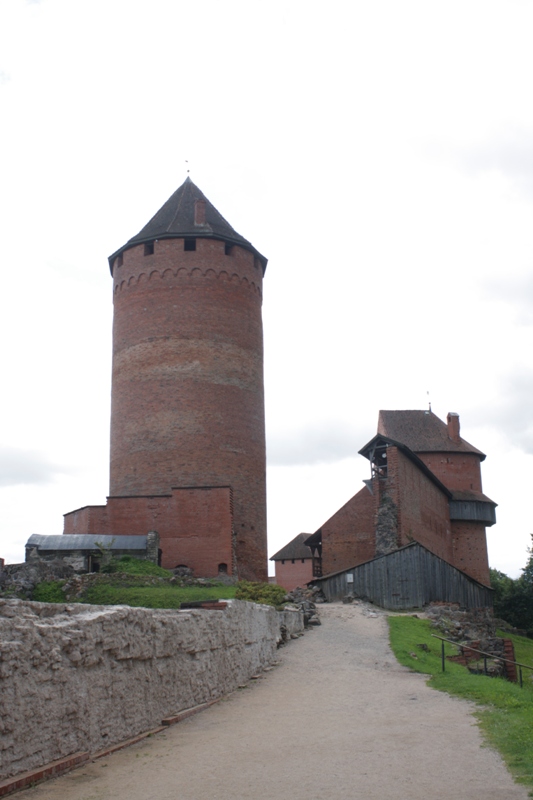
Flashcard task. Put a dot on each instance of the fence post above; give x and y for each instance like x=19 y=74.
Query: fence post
x=442 y=656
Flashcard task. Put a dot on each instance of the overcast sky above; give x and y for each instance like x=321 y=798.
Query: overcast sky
x=379 y=153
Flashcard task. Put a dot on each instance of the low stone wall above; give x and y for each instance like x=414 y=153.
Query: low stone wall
x=81 y=678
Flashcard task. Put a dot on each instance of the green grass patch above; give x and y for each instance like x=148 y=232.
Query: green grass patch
x=165 y=596
x=505 y=712
x=135 y=566
x=49 y=592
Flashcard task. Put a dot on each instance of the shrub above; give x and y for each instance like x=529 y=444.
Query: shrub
x=49 y=592
x=268 y=593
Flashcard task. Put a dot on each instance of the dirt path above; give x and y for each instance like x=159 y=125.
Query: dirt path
x=337 y=718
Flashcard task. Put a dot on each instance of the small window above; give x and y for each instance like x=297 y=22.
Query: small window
x=189 y=244
x=148 y=248
x=222 y=569
x=303 y=560
x=227 y=248
x=119 y=260
x=292 y=561
x=282 y=560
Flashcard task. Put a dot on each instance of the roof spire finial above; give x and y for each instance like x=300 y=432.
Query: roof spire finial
x=188 y=170
x=429 y=401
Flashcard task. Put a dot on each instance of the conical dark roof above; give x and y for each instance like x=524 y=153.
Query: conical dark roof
x=176 y=220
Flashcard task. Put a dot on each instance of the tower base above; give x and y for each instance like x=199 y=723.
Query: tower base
x=195 y=526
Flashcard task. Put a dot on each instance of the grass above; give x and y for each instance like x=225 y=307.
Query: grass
x=49 y=592
x=136 y=566
x=164 y=596
x=505 y=711
x=133 y=582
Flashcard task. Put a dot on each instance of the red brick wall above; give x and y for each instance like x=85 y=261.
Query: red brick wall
x=348 y=536
x=461 y=471
x=187 y=390
x=423 y=509
x=470 y=550
x=203 y=520
x=194 y=525
x=290 y=575
x=89 y=519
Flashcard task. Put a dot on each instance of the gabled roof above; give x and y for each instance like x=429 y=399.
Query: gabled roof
x=422 y=432
x=176 y=220
x=294 y=549
x=384 y=441
x=86 y=541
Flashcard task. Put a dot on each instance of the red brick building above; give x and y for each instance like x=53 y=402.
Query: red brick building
x=294 y=563
x=425 y=487
x=187 y=412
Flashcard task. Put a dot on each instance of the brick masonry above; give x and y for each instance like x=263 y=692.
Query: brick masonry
x=187 y=407
x=409 y=503
x=293 y=572
x=195 y=526
x=423 y=510
x=349 y=534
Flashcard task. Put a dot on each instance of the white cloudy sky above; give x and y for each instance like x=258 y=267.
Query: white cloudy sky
x=379 y=153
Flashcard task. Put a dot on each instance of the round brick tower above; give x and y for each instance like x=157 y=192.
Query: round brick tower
x=187 y=388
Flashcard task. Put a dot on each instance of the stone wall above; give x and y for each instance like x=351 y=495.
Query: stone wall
x=81 y=678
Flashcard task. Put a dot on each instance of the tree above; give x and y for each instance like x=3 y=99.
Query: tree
x=513 y=599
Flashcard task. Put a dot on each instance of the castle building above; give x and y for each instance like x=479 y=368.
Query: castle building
x=188 y=456
x=294 y=563
x=425 y=488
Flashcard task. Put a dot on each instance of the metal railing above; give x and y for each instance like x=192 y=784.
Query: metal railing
x=482 y=653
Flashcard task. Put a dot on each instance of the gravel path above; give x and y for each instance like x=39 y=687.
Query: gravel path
x=337 y=718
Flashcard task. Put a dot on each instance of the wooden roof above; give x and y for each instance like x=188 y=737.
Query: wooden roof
x=294 y=549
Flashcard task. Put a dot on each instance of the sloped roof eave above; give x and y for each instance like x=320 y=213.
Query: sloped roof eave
x=296 y=548
x=365 y=452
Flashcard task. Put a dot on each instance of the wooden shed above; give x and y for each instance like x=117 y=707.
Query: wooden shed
x=410 y=577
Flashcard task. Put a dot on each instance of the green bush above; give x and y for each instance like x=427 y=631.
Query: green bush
x=513 y=598
x=49 y=592
x=268 y=593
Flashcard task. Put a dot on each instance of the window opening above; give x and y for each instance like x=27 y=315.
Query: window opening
x=189 y=245
x=148 y=248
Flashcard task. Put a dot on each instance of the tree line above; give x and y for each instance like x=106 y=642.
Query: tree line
x=513 y=598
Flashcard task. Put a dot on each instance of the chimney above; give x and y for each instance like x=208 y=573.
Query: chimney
x=199 y=212
x=453 y=426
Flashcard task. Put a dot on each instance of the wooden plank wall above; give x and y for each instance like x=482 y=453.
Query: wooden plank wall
x=407 y=578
